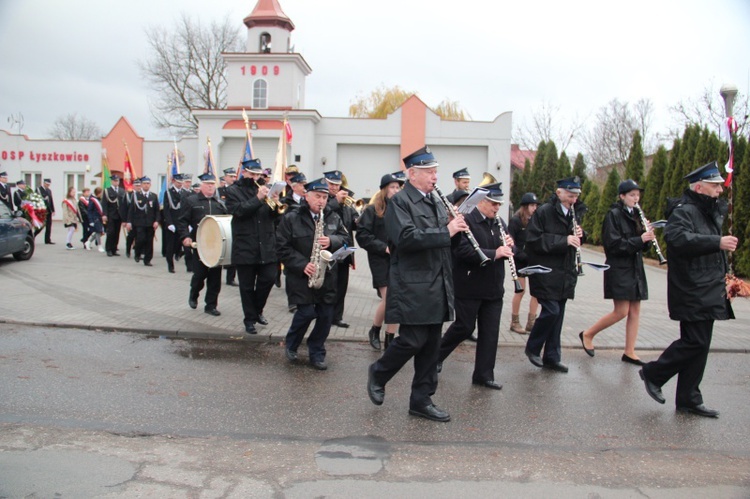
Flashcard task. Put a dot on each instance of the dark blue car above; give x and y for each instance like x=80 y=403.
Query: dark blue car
x=16 y=234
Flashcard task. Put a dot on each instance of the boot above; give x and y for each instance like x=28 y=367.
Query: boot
x=515 y=325
x=374 y=336
x=388 y=339
x=530 y=322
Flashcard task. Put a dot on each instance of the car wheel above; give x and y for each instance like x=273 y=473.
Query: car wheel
x=27 y=251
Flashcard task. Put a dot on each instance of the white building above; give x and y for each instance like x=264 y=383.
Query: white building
x=268 y=81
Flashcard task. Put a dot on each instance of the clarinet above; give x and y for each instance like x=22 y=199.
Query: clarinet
x=645 y=223
x=511 y=260
x=452 y=210
x=579 y=263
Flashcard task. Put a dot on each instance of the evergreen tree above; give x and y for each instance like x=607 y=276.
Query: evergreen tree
x=516 y=187
x=703 y=151
x=655 y=179
x=563 y=166
x=591 y=200
x=536 y=170
x=608 y=197
x=525 y=181
x=634 y=166
x=741 y=206
x=548 y=175
x=579 y=168
x=665 y=191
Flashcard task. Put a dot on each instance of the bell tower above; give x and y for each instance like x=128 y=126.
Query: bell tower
x=268 y=29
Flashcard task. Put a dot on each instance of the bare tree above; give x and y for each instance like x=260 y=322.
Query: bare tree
x=707 y=110
x=385 y=100
x=609 y=141
x=547 y=125
x=186 y=70
x=74 y=127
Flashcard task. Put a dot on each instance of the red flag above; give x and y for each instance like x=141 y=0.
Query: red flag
x=128 y=174
x=288 y=129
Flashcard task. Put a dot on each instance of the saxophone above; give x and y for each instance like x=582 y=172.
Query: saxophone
x=319 y=257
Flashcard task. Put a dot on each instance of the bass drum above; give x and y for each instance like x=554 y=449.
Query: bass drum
x=214 y=240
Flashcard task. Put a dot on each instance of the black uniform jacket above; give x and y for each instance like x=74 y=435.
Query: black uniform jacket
x=144 y=210
x=47 y=197
x=372 y=237
x=18 y=197
x=193 y=210
x=420 y=283
x=470 y=280
x=547 y=245
x=517 y=231
x=5 y=196
x=172 y=206
x=349 y=218
x=621 y=237
x=294 y=245
x=695 y=278
x=253 y=228
x=111 y=201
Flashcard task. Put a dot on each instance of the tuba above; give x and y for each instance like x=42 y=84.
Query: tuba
x=487 y=179
x=320 y=258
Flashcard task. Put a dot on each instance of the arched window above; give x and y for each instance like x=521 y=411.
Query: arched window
x=260 y=94
x=265 y=43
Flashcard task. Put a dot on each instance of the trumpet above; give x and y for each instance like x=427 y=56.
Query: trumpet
x=357 y=204
x=579 y=262
x=452 y=210
x=276 y=206
x=511 y=260
x=645 y=224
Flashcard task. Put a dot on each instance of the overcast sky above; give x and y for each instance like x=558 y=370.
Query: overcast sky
x=81 y=56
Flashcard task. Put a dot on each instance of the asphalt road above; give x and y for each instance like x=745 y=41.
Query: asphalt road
x=94 y=414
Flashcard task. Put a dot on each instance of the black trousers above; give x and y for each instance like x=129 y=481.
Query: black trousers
x=171 y=246
x=421 y=342
x=231 y=273
x=113 y=235
x=86 y=231
x=546 y=330
x=486 y=315
x=322 y=314
x=144 y=242
x=130 y=240
x=342 y=285
x=190 y=256
x=685 y=358
x=47 y=228
x=212 y=279
x=256 y=282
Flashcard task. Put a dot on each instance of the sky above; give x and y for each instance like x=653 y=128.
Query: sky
x=81 y=56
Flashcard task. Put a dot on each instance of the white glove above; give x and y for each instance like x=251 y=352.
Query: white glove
x=171 y=228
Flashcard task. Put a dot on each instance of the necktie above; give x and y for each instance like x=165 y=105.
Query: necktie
x=315 y=217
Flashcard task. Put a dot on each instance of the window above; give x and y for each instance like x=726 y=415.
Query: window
x=260 y=94
x=33 y=180
x=265 y=43
x=76 y=180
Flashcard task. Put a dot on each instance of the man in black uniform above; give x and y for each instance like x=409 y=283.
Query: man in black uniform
x=420 y=285
x=253 y=242
x=461 y=179
x=20 y=194
x=552 y=242
x=295 y=242
x=296 y=192
x=192 y=211
x=479 y=290
x=111 y=201
x=127 y=202
x=230 y=177
x=172 y=209
x=186 y=191
x=696 y=290
x=46 y=193
x=5 y=196
x=143 y=217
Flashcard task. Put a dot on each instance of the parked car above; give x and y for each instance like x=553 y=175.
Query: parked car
x=16 y=234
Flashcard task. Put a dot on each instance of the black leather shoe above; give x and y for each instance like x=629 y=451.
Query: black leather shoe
x=212 y=311
x=699 y=410
x=148 y=264
x=473 y=337
x=193 y=303
x=109 y=253
x=250 y=329
x=291 y=355
x=653 y=391
x=137 y=258
x=292 y=309
x=535 y=359
x=555 y=366
x=374 y=337
x=388 y=339
x=431 y=412
x=232 y=283
x=487 y=384
x=262 y=320
x=114 y=253
x=48 y=242
x=589 y=351
x=340 y=324
x=320 y=365
x=375 y=391
x=171 y=271
x=127 y=254
x=631 y=360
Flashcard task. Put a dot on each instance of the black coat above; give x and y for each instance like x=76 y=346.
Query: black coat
x=94 y=216
x=192 y=211
x=349 y=218
x=111 y=201
x=517 y=231
x=253 y=228
x=47 y=197
x=144 y=210
x=18 y=197
x=547 y=245
x=420 y=283
x=294 y=245
x=172 y=206
x=372 y=237
x=695 y=278
x=469 y=278
x=621 y=237
x=5 y=196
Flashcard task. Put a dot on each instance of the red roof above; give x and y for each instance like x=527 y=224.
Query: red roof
x=268 y=13
x=519 y=156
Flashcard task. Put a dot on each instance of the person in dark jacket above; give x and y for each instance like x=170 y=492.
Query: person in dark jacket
x=46 y=193
x=127 y=202
x=111 y=201
x=253 y=242
x=83 y=210
x=551 y=242
x=230 y=177
x=295 y=243
x=696 y=289
x=371 y=237
x=517 y=231
x=19 y=194
x=192 y=210
x=624 y=240
x=479 y=290
x=171 y=212
x=96 y=217
x=5 y=196
x=143 y=217
x=189 y=254
x=420 y=285
x=461 y=181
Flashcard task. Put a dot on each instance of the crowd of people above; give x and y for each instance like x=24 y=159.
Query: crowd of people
x=430 y=264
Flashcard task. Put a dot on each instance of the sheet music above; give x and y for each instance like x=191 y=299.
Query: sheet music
x=472 y=200
x=343 y=252
x=277 y=187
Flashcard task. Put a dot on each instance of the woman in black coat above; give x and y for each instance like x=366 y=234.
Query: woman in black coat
x=624 y=239
x=372 y=238
x=517 y=231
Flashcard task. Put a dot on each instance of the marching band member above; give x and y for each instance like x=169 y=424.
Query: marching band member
x=371 y=236
x=230 y=177
x=111 y=201
x=462 y=181
x=171 y=211
x=517 y=230
x=420 y=285
x=143 y=218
